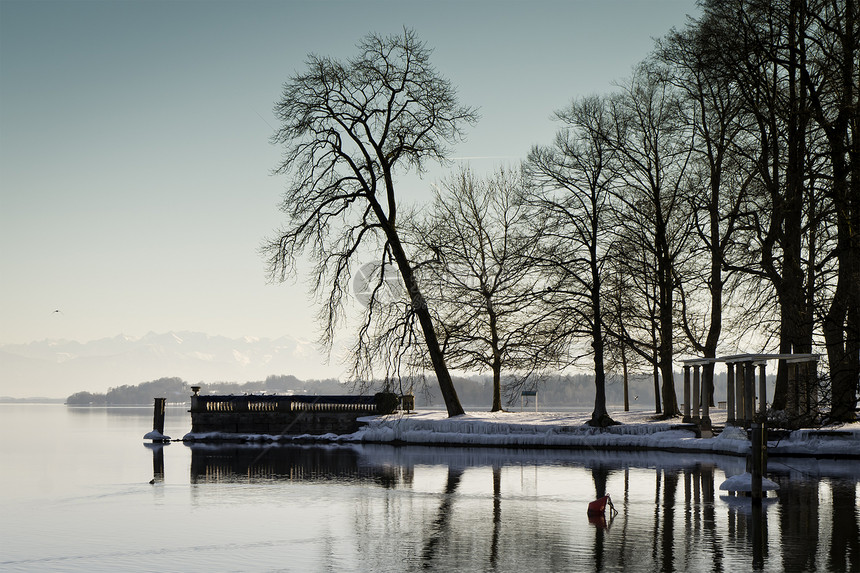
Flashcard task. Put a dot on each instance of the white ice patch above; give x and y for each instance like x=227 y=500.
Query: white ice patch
x=743 y=482
x=638 y=430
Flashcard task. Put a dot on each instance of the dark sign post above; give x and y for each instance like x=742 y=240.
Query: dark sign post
x=528 y=393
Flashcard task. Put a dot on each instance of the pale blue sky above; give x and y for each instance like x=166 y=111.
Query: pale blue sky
x=135 y=161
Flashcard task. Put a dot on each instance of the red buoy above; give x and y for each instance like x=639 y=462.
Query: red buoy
x=599 y=505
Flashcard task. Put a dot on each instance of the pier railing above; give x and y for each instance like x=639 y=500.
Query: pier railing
x=295 y=414
x=254 y=403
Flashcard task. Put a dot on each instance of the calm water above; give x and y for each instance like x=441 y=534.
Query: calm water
x=75 y=496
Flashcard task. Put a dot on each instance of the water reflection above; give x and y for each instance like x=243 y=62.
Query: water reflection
x=173 y=410
x=439 y=530
x=502 y=510
x=244 y=463
x=157 y=461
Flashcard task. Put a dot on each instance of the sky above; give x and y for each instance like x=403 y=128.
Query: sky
x=136 y=169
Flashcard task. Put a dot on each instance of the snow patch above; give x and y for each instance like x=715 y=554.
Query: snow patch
x=241 y=358
x=637 y=431
x=733 y=433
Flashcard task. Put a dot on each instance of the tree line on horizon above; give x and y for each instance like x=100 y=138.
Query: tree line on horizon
x=561 y=390
x=710 y=202
x=177 y=390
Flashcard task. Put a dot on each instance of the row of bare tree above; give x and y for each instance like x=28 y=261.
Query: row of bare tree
x=713 y=198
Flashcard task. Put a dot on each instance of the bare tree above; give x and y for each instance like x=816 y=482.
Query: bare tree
x=348 y=128
x=653 y=144
x=752 y=40
x=620 y=312
x=573 y=183
x=486 y=291
x=632 y=309
x=713 y=109
x=795 y=64
x=833 y=82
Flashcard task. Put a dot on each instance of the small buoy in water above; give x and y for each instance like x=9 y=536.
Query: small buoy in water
x=599 y=505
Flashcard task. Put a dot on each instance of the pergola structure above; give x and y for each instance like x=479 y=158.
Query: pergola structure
x=741 y=387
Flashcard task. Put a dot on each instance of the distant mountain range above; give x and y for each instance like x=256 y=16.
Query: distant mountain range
x=57 y=368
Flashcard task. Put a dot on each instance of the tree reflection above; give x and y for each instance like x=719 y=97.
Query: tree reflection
x=497 y=515
x=440 y=526
x=844 y=553
x=670 y=487
x=670 y=518
x=600 y=475
x=798 y=520
x=713 y=543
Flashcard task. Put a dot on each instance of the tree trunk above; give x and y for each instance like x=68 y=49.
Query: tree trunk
x=780 y=389
x=497 y=357
x=670 y=401
x=497 y=385
x=715 y=280
x=657 y=408
x=843 y=317
x=844 y=388
x=419 y=305
x=446 y=385
x=841 y=342
x=841 y=322
x=793 y=297
x=666 y=289
x=625 y=381
x=599 y=417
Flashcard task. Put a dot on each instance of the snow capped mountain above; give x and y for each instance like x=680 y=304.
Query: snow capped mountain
x=57 y=368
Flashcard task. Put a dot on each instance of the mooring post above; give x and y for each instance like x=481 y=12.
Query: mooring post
x=757 y=458
x=158 y=415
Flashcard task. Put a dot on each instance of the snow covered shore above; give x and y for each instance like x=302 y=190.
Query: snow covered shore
x=637 y=431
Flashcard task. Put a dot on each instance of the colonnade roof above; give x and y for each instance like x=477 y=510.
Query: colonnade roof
x=756 y=358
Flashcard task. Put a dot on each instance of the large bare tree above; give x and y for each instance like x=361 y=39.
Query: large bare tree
x=833 y=82
x=348 y=129
x=756 y=47
x=795 y=64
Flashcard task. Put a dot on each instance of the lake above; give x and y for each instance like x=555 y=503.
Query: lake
x=75 y=495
